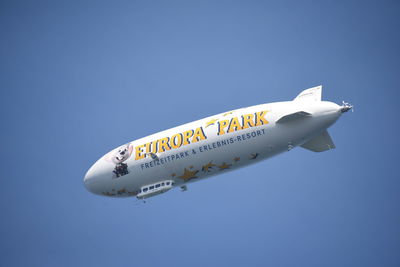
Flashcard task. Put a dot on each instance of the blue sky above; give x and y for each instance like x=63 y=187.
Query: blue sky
x=80 y=78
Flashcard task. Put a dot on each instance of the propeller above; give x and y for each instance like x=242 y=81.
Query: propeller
x=346 y=107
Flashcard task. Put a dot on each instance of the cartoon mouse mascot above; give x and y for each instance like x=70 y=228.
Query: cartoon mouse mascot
x=118 y=157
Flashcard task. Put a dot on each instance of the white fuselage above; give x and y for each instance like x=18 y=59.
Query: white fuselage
x=206 y=147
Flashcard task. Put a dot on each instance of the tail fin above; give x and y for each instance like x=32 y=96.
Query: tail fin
x=311 y=94
x=320 y=143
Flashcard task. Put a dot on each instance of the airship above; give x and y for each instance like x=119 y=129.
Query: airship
x=214 y=145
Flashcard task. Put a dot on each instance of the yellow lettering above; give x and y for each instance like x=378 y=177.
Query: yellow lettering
x=139 y=152
x=163 y=144
x=247 y=121
x=176 y=141
x=186 y=136
x=221 y=126
x=198 y=135
x=260 y=120
x=234 y=125
x=173 y=142
x=151 y=147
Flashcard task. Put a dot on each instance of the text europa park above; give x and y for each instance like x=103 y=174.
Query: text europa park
x=192 y=136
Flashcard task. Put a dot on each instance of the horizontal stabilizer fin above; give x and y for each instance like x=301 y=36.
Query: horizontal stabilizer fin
x=293 y=116
x=311 y=94
x=320 y=143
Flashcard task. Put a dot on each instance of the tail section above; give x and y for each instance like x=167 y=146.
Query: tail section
x=311 y=94
x=323 y=141
x=320 y=143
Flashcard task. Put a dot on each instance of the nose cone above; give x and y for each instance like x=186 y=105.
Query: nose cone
x=96 y=179
x=90 y=179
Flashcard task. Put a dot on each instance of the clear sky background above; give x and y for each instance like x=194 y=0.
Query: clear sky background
x=80 y=78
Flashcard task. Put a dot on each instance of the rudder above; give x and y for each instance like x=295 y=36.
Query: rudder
x=311 y=94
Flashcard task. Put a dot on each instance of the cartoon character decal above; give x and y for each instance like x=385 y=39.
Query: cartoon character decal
x=118 y=157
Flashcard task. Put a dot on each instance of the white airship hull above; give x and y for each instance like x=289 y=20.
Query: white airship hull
x=214 y=145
